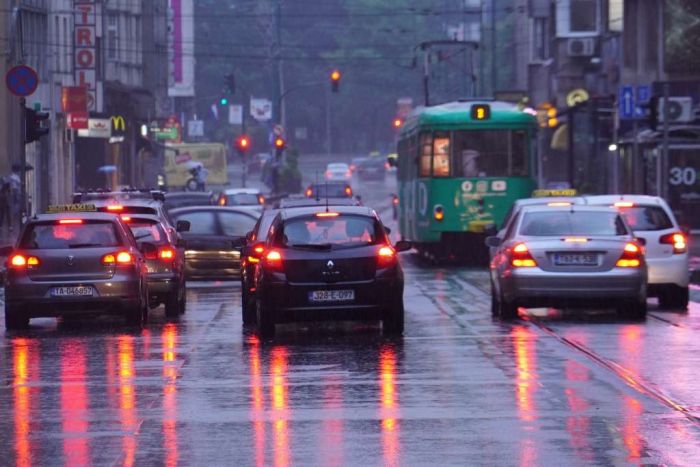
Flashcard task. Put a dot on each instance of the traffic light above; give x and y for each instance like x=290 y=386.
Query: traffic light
x=652 y=108
x=223 y=101
x=280 y=145
x=230 y=83
x=397 y=123
x=243 y=143
x=552 y=120
x=33 y=129
x=335 y=80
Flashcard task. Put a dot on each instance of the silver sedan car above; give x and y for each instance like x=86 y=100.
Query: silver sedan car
x=570 y=256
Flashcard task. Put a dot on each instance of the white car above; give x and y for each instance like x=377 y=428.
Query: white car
x=241 y=197
x=651 y=219
x=338 y=171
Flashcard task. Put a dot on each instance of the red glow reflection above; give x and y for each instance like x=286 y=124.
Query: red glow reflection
x=25 y=366
x=578 y=423
x=74 y=403
x=169 y=337
x=389 y=405
x=258 y=407
x=526 y=365
x=280 y=407
x=127 y=397
x=631 y=344
x=332 y=436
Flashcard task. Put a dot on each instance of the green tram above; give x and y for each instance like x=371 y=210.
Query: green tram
x=461 y=166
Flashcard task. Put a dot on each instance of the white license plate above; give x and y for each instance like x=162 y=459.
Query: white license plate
x=576 y=259
x=331 y=296
x=79 y=291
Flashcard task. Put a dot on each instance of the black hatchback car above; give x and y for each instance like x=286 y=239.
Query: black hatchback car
x=324 y=264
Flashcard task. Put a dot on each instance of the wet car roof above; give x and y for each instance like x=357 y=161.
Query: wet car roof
x=572 y=208
x=239 y=209
x=99 y=216
x=305 y=211
x=612 y=199
x=127 y=202
x=549 y=199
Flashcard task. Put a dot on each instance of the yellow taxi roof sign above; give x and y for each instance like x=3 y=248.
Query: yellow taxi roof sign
x=57 y=208
x=559 y=192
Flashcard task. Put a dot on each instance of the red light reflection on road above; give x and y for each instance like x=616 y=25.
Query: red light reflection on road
x=578 y=423
x=280 y=407
x=631 y=343
x=127 y=397
x=169 y=338
x=257 y=397
x=526 y=366
x=25 y=366
x=74 y=403
x=389 y=405
x=332 y=436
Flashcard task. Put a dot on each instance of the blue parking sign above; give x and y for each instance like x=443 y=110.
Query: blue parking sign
x=643 y=96
x=625 y=102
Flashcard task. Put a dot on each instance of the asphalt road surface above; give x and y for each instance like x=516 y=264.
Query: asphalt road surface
x=458 y=388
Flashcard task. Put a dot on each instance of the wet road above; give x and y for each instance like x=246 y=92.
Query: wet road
x=459 y=388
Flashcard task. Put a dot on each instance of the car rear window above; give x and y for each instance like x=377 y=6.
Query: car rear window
x=557 y=223
x=342 y=231
x=242 y=198
x=334 y=190
x=55 y=236
x=645 y=218
x=145 y=231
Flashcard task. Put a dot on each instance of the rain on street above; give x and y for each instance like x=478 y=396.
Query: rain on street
x=458 y=388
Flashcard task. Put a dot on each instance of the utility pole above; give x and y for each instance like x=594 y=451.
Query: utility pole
x=277 y=63
x=663 y=167
x=23 y=160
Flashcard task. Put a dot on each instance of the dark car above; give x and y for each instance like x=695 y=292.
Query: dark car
x=214 y=240
x=329 y=189
x=133 y=206
x=73 y=263
x=373 y=168
x=165 y=263
x=335 y=264
x=185 y=199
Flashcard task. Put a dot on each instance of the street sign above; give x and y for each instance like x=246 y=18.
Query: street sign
x=625 y=101
x=643 y=96
x=235 y=114
x=22 y=80
x=195 y=128
x=278 y=130
x=97 y=128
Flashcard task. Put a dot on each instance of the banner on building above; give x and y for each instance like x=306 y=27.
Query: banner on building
x=261 y=109
x=85 y=59
x=74 y=104
x=181 y=48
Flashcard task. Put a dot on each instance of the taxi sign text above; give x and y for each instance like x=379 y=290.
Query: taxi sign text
x=561 y=192
x=55 y=208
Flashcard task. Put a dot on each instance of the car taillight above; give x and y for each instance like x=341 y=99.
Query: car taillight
x=70 y=221
x=222 y=201
x=121 y=258
x=631 y=257
x=395 y=200
x=273 y=260
x=348 y=191
x=166 y=254
x=115 y=208
x=520 y=257
x=21 y=261
x=309 y=193
x=256 y=253
x=678 y=240
x=386 y=257
x=261 y=199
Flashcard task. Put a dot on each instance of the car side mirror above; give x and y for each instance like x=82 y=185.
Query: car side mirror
x=387 y=230
x=148 y=249
x=493 y=242
x=183 y=226
x=403 y=245
x=6 y=250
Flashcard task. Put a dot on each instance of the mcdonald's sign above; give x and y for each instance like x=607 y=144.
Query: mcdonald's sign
x=118 y=129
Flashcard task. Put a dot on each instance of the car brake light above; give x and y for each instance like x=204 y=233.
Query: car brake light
x=273 y=260
x=70 y=221
x=115 y=207
x=631 y=257
x=166 y=253
x=33 y=261
x=348 y=191
x=576 y=240
x=386 y=256
x=126 y=218
x=261 y=199
x=327 y=214
x=222 y=201
x=109 y=259
x=21 y=261
x=624 y=204
x=395 y=200
x=122 y=257
x=678 y=240
x=309 y=193
x=559 y=203
x=521 y=257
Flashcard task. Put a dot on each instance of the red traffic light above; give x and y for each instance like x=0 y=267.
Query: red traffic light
x=243 y=142
x=398 y=122
x=280 y=143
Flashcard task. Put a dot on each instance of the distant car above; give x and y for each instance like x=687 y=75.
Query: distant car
x=568 y=256
x=183 y=199
x=165 y=263
x=306 y=202
x=355 y=163
x=241 y=197
x=214 y=240
x=666 y=245
x=338 y=171
x=337 y=264
x=329 y=189
x=73 y=264
x=373 y=168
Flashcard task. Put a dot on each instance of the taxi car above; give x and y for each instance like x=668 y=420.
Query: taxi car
x=87 y=196
x=72 y=263
x=568 y=256
x=665 y=244
x=335 y=263
x=329 y=190
x=165 y=263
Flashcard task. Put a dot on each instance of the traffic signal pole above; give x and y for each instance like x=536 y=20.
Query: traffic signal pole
x=23 y=160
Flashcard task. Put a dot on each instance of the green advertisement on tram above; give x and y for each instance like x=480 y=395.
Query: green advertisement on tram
x=461 y=166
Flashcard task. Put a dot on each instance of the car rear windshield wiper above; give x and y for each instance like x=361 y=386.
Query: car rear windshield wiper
x=84 y=245
x=313 y=246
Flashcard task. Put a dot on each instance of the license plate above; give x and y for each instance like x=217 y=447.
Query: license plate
x=79 y=291
x=331 y=296
x=576 y=259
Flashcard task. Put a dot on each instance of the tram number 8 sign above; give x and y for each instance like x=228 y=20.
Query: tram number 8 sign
x=683 y=176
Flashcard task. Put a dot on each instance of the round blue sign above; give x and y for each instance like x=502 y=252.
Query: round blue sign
x=22 y=80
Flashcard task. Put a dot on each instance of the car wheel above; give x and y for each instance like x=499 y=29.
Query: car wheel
x=674 y=297
x=183 y=299
x=134 y=314
x=173 y=304
x=494 y=301
x=15 y=318
x=393 y=319
x=507 y=310
x=633 y=310
x=266 y=323
x=248 y=307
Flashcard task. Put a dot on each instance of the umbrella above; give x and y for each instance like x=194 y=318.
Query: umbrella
x=107 y=169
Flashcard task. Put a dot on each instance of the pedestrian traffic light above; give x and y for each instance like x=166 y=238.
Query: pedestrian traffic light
x=243 y=143
x=33 y=129
x=280 y=145
x=223 y=101
x=335 y=80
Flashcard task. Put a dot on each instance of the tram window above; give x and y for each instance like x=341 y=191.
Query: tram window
x=426 y=152
x=490 y=153
x=441 y=155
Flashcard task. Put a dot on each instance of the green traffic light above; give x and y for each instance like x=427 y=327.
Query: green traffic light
x=224 y=101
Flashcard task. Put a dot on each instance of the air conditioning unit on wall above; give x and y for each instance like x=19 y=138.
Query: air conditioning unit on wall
x=680 y=109
x=580 y=47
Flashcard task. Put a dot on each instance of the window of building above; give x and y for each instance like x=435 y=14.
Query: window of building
x=577 y=18
x=540 y=40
